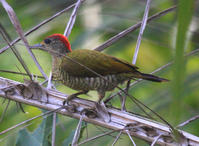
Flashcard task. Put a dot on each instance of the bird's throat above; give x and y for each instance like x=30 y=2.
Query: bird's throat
x=56 y=62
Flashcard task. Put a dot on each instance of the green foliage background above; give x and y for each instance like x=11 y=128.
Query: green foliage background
x=96 y=22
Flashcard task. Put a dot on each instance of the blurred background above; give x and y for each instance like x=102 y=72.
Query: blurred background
x=96 y=22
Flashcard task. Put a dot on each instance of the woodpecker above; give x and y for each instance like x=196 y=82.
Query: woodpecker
x=86 y=70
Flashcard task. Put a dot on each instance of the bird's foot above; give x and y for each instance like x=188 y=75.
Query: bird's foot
x=72 y=96
x=69 y=98
x=102 y=111
x=90 y=112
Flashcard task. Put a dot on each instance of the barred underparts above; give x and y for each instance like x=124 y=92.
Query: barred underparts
x=107 y=83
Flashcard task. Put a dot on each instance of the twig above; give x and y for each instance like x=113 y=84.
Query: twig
x=19 y=73
x=98 y=136
x=127 y=131
x=49 y=81
x=38 y=26
x=17 y=54
x=144 y=21
x=125 y=96
x=77 y=131
x=130 y=29
x=20 y=107
x=143 y=24
x=4 y=111
x=116 y=139
x=72 y=19
x=54 y=114
x=15 y=22
x=101 y=130
x=155 y=113
x=54 y=129
x=156 y=139
x=188 y=121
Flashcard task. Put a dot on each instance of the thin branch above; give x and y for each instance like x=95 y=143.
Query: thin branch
x=20 y=107
x=49 y=81
x=77 y=131
x=156 y=139
x=19 y=73
x=4 y=111
x=54 y=129
x=38 y=26
x=98 y=136
x=72 y=19
x=101 y=130
x=144 y=21
x=54 y=114
x=143 y=25
x=16 y=53
x=117 y=137
x=120 y=35
x=188 y=121
x=127 y=131
x=125 y=96
x=15 y=22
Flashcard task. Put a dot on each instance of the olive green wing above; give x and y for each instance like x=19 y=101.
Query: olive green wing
x=89 y=63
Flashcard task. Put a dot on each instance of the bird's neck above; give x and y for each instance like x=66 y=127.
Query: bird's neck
x=56 y=62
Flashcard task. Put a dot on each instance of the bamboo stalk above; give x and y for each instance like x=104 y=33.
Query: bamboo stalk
x=138 y=126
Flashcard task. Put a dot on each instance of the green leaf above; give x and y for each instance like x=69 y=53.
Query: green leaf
x=40 y=137
x=25 y=138
x=184 y=15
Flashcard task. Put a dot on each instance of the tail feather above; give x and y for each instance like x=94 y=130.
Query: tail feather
x=152 y=78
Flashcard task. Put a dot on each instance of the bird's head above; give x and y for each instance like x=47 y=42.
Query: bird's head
x=56 y=44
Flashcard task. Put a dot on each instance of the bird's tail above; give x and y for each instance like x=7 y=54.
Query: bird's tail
x=152 y=78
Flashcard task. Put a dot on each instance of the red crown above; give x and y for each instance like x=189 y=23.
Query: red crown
x=62 y=38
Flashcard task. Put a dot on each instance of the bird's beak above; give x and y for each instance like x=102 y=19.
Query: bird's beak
x=38 y=46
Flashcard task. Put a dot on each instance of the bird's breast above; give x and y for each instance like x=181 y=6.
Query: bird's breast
x=107 y=83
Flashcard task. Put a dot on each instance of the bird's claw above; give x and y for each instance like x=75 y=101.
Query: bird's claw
x=70 y=97
x=102 y=111
x=71 y=108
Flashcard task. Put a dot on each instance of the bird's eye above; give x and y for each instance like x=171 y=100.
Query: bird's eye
x=47 y=41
